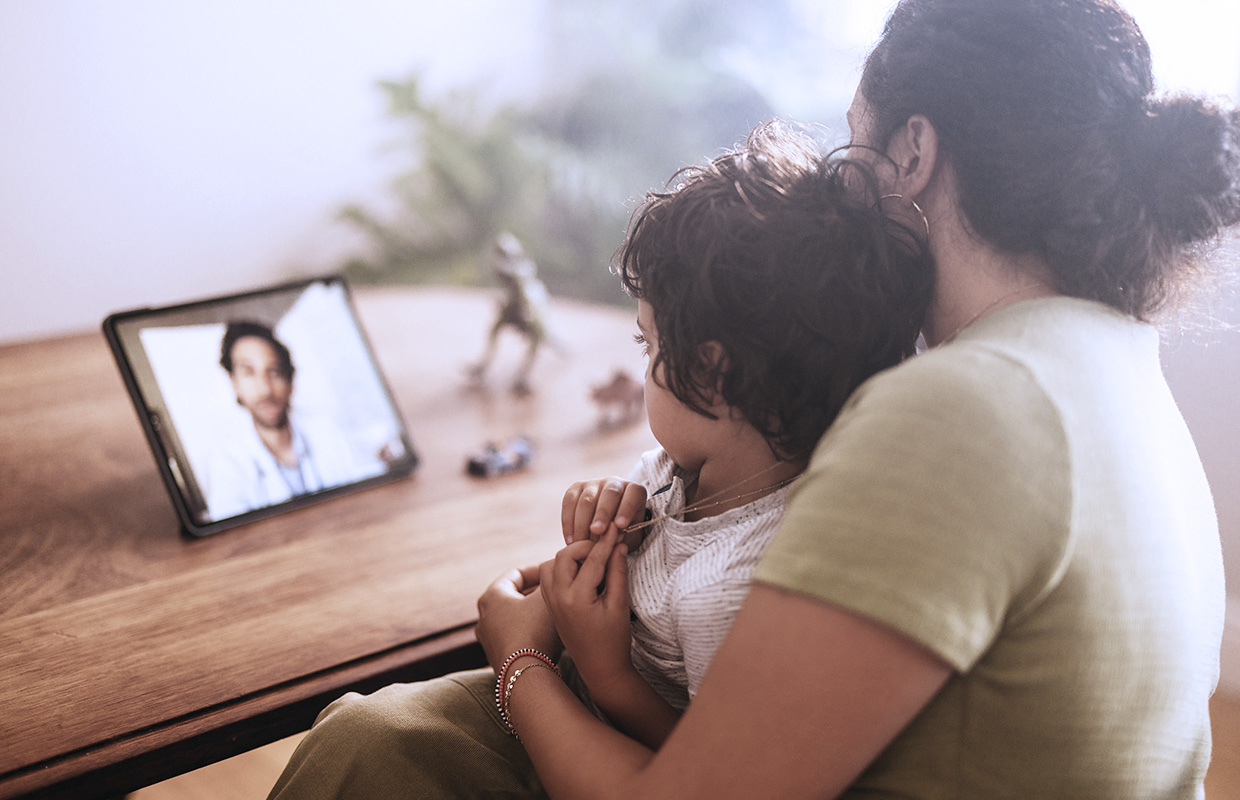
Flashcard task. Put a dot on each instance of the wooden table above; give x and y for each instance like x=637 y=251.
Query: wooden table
x=129 y=653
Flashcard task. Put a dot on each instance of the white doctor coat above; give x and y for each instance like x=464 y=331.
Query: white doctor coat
x=243 y=475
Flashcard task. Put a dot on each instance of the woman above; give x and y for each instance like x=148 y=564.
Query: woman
x=1001 y=576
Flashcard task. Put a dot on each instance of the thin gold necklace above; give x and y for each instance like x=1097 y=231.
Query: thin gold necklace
x=990 y=306
x=711 y=502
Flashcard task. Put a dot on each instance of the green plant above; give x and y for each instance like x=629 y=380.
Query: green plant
x=648 y=94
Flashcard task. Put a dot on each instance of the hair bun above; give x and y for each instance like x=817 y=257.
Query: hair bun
x=1190 y=151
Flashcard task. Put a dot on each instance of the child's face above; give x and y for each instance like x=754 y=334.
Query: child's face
x=679 y=429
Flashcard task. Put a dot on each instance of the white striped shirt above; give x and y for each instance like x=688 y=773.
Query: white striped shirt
x=687 y=579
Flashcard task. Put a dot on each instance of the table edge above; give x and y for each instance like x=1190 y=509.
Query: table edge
x=187 y=743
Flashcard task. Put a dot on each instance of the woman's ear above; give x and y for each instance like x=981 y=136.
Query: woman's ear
x=914 y=148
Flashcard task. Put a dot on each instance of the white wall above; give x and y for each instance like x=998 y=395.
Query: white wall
x=154 y=151
x=157 y=151
x=1196 y=47
x=1203 y=368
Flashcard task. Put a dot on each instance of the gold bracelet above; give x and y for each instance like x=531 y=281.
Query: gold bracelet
x=502 y=676
x=512 y=681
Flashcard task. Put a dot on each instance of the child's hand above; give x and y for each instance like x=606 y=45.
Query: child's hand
x=591 y=507
x=593 y=625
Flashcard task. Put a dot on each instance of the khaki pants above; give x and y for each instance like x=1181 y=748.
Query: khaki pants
x=441 y=738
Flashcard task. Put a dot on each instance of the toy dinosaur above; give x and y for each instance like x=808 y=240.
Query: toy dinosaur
x=620 y=401
x=524 y=308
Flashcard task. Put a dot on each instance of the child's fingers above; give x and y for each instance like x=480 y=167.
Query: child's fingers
x=578 y=509
x=586 y=504
x=610 y=498
x=632 y=505
x=568 y=511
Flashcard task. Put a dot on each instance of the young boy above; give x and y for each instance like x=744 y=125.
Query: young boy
x=770 y=284
x=769 y=287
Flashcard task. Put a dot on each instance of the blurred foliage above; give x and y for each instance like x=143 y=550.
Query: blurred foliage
x=643 y=91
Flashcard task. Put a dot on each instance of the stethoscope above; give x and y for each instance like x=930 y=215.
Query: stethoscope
x=306 y=471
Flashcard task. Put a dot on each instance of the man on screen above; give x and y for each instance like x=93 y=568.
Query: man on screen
x=281 y=455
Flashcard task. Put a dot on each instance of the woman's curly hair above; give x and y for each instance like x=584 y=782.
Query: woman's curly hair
x=1046 y=112
x=783 y=256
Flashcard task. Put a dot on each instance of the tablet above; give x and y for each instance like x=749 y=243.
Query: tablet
x=258 y=403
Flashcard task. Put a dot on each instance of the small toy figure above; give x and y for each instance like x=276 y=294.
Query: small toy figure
x=620 y=401
x=516 y=454
x=524 y=308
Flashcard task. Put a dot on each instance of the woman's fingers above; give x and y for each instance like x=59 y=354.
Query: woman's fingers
x=578 y=570
x=564 y=567
x=593 y=569
x=509 y=583
x=616 y=595
x=550 y=589
x=527 y=579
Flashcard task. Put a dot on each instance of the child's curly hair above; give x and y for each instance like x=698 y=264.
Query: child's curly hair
x=784 y=257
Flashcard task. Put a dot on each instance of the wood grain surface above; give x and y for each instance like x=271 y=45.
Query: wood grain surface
x=120 y=638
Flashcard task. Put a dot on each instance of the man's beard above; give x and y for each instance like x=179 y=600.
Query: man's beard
x=280 y=423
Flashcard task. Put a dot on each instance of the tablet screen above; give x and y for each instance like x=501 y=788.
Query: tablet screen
x=260 y=402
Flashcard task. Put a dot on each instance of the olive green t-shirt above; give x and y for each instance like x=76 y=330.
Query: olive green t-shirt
x=1027 y=503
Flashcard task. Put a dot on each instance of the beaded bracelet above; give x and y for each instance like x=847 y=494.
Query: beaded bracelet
x=512 y=681
x=529 y=651
x=503 y=685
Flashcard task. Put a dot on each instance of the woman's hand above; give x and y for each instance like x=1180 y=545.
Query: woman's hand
x=594 y=625
x=512 y=616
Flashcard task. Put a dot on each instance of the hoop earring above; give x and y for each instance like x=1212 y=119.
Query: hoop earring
x=916 y=208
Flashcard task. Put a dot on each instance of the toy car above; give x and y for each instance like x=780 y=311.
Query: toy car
x=515 y=454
